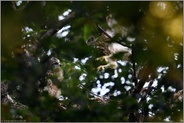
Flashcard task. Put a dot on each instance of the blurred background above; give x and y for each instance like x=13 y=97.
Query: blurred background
x=154 y=29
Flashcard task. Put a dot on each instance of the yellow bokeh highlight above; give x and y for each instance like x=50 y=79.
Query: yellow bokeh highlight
x=163 y=10
x=174 y=28
x=150 y=21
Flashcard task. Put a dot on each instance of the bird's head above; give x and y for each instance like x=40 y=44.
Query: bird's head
x=54 y=61
x=91 y=40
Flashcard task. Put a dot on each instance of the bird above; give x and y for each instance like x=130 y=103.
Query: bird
x=54 y=77
x=104 y=42
x=52 y=89
x=55 y=69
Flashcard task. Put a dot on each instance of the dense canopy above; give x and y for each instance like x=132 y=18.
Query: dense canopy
x=50 y=73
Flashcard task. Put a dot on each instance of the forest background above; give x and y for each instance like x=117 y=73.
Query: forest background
x=149 y=87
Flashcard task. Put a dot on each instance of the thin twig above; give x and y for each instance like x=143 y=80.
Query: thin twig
x=147 y=91
x=134 y=70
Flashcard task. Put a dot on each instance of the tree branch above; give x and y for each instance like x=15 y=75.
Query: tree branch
x=60 y=25
x=55 y=29
x=146 y=71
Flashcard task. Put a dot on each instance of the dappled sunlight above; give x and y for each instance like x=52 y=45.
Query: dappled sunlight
x=162 y=30
x=162 y=10
x=174 y=28
x=104 y=61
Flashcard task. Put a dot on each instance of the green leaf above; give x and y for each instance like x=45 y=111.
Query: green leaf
x=90 y=28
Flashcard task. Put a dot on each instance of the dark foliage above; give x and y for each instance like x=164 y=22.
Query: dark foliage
x=149 y=87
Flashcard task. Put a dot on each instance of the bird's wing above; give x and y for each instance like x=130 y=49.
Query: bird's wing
x=102 y=42
x=116 y=48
